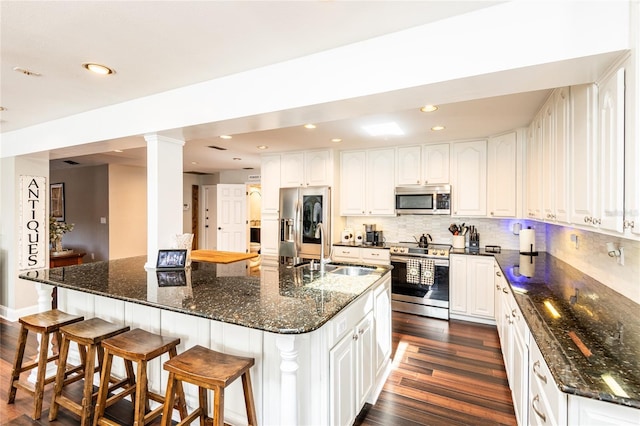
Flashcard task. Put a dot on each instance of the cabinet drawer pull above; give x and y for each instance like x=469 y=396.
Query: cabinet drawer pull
x=536 y=399
x=498 y=273
x=536 y=371
x=504 y=290
x=375 y=254
x=513 y=312
x=498 y=287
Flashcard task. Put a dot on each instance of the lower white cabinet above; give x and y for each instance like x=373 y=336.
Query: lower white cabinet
x=592 y=412
x=471 y=286
x=547 y=404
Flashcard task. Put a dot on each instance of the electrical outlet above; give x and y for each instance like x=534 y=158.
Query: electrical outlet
x=574 y=239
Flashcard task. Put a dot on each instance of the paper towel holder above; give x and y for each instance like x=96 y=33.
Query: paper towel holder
x=531 y=251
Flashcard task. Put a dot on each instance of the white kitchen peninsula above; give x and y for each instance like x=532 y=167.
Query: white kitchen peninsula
x=293 y=321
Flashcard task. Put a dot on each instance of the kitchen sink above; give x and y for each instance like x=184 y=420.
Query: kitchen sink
x=351 y=271
x=315 y=267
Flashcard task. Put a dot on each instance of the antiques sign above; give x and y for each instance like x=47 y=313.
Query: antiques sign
x=33 y=232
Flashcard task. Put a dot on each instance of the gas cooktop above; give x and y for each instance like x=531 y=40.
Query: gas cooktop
x=413 y=249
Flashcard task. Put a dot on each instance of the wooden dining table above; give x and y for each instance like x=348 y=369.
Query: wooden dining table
x=215 y=256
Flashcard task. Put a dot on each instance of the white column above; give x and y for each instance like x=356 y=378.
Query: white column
x=288 y=379
x=164 y=192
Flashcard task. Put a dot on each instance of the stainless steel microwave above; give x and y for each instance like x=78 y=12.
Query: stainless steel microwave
x=423 y=199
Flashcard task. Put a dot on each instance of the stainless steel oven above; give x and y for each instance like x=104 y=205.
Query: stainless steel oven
x=416 y=296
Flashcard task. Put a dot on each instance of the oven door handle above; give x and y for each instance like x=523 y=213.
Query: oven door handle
x=405 y=259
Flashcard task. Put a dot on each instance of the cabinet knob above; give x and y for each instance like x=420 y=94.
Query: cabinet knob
x=587 y=219
x=491 y=213
x=354 y=337
x=498 y=287
x=513 y=312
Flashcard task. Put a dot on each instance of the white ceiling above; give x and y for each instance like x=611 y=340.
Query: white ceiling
x=156 y=46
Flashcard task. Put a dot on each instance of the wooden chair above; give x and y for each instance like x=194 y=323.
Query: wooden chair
x=138 y=346
x=88 y=335
x=44 y=324
x=211 y=370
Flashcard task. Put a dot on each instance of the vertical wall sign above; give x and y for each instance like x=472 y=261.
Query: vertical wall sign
x=33 y=232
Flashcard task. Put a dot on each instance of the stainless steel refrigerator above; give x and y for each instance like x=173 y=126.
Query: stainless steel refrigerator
x=301 y=212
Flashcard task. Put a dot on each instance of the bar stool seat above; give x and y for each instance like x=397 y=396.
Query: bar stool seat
x=211 y=370
x=88 y=335
x=138 y=346
x=44 y=324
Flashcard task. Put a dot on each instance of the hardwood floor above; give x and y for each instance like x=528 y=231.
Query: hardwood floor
x=445 y=373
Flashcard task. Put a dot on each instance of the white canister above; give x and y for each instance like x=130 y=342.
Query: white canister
x=458 y=241
x=359 y=239
x=347 y=235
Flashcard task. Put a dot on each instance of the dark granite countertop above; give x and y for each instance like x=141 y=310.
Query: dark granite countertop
x=301 y=301
x=607 y=323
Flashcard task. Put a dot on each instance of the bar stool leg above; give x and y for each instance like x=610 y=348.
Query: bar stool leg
x=89 y=371
x=204 y=409
x=59 y=383
x=248 y=399
x=141 y=401
x=169 y=401
x=17 y=363
x=101 y=400
x=42 y=370
x=218 y=406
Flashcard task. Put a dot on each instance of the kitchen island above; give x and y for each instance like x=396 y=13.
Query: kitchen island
x=321 y=341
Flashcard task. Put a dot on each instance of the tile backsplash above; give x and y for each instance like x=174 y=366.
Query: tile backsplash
x=590 y=256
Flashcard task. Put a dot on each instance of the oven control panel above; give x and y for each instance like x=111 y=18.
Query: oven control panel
x=435 y=250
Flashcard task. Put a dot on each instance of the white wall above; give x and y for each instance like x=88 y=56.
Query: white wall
x=127 y=211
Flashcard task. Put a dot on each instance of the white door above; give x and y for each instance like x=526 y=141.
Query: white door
x=232 y=217
x=208 y=222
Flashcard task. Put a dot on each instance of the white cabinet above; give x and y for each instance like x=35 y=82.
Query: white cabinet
x=270 y=184
x=469 y=178
x=501 y=175
x=592 y=412
x=561 y=141
x=534 y=170
x=367 y=182
x=359 y=254
x=548 y=168
x=583 y=153
x=423 y=165
x=471 y=288
x=351 y=371
x=308 y=168
x=382 y=319
x=547 y=404
x=610 y=212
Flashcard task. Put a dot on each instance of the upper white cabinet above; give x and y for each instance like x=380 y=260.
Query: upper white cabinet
x=583 y=153
x=270 y=184
x=423 y=165
x=533 y=194
x=561 y=140
x=501 y=175
x=367 y=182
x=309 y=168
x=469 y=178
x=610 y=210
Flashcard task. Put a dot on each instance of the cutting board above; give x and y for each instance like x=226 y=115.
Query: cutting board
x=215 y=256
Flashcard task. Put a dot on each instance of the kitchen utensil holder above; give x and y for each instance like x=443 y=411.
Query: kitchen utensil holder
x=458 y=241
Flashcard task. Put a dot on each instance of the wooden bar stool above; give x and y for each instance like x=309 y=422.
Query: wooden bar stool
x=88 y=335
x=138 y=346
x=43 y=323
x=211 y=370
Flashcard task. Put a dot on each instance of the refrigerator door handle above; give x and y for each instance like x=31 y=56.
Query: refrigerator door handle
x=297 y=227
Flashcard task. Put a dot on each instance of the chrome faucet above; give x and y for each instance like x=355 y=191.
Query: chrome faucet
x=320 y=234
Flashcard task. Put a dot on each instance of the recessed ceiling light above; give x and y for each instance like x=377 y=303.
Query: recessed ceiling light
x=429 y=108
x=2 y=108
x=438 y=128
x=225 y=137
x=26 y=71
x=194 y=162
x=262 y=147
x=309 y=126
x=118 y=150
x=98 y=69
x=384 y=129
x=336 y=140
x=237 y=158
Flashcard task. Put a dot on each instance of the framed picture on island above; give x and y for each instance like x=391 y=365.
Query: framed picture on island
x=56 y=201
x=171 y=259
